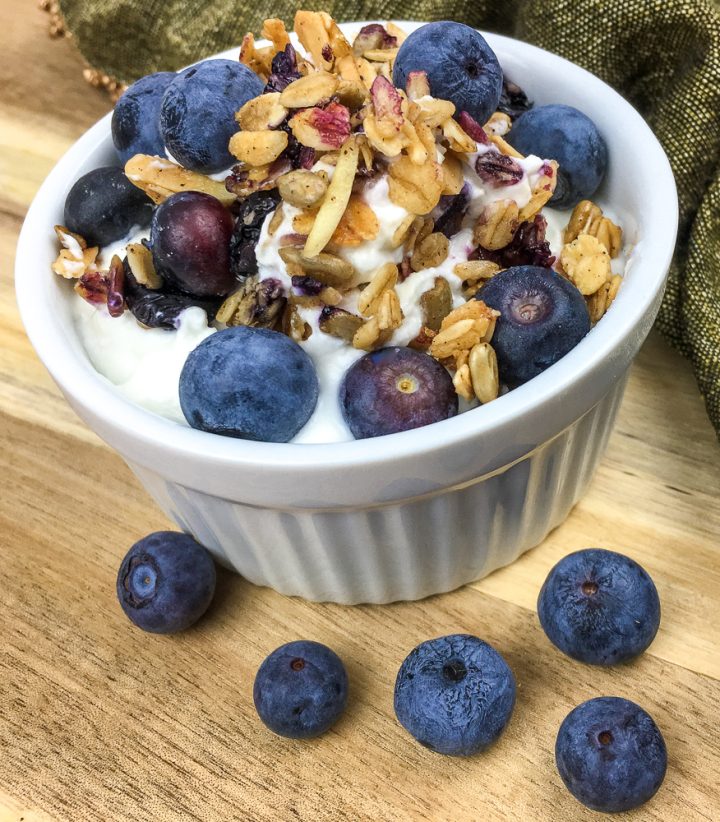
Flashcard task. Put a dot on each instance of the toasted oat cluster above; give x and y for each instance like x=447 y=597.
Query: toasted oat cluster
x=329 y=127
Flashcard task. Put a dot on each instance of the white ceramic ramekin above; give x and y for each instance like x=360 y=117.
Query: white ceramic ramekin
x=407 y=515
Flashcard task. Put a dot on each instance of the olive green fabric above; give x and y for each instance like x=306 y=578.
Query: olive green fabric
x=662 y=55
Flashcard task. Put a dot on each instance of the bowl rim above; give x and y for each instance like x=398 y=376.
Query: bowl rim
x=88 y=388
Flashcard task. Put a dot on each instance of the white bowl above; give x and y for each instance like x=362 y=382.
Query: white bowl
x=406 y=515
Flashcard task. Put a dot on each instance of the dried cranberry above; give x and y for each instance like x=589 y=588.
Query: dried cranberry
x=513 y=100
x=472 y=128
x=283 y=70
x=251 y=214
x=527 y=247
x=498 y=169
x=452 y=211
x=161 y=308
x=268 y=303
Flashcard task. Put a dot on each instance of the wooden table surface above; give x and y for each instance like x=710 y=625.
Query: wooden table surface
x=99 y=721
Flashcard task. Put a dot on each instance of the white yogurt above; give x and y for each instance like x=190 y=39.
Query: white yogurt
x=145 y=364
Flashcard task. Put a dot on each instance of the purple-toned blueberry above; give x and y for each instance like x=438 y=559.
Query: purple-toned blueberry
x=251 y=214
x=454 y=694
x=166 y=582
x=542 y=317
x=197 y=115
x=567 y=135
x=190 y=240
x=610 y=754
x=301 y=689
x=395 y=389
x=250 y=383
x=135 y=121
x=459 y=63
x=103 y=205
x=599 y=606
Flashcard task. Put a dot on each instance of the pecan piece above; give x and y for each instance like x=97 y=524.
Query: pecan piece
x=498 y=169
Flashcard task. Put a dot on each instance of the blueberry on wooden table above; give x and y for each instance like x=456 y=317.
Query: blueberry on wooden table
x=459 y=63
x=135 y=121
x=542 y=317
x=103 y=205
x=567 y=135
x=599 y=607
x=301 y=689
x=454 y=694
x=250 y=383
x=197 y=115
x=610 y=754
x=166 y=582
x=395 y=389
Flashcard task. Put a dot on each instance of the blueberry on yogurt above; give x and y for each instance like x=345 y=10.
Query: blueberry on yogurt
x=103 y=205
x=301 y=689
x=250 y=383
x=599 y=607
x=567 y=135
x=135 y=120
x=190 y=240
x=454 y=694
x=542 y=317
x=166 y=582
x=395 y=389
x=460 y=66
x=197 y=115
x=610 y=754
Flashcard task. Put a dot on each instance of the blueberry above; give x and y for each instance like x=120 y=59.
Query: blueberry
x=190 y=239
x=610 y=754
x=166 y=582
x=301 y=689
x=395 y=389
x=567 y=135
x=599 y=607
x=454 y=694
x=103 y=205
x=135 y=120
x=542 y=317
x=197 y=116
x=460 y=66
x=251 y=383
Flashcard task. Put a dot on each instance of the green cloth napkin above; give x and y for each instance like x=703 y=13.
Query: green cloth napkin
x=662 y=55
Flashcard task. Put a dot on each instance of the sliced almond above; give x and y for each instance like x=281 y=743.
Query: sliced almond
x=335 y=201
x=274 y=30
x=435 y=113
x=458 y=139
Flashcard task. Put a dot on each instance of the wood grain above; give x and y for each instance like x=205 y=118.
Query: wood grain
x=101 y=722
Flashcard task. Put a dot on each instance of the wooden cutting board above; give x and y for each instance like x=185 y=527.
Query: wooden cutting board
x=99 y=721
